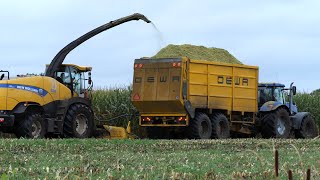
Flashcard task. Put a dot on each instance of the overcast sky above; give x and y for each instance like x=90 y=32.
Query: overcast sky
x=281 y=37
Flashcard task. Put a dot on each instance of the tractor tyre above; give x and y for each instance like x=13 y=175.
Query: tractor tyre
x=220 y=126
x=200 y=127
x=308 y=128
x=32 y=125
x=78 y=122
x=155 y=132
x=276 y=124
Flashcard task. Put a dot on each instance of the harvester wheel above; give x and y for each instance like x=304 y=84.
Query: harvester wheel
x=220 y=126
x=308 y=128
x=200 y=127
x=276 y=124
x=78 y=122
x=31 y=126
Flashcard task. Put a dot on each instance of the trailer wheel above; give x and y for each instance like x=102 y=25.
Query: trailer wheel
x=200 y=127
x=220 y=126
x=308 y=128
x=32 y=125
x=78 y=122
x=276 y=124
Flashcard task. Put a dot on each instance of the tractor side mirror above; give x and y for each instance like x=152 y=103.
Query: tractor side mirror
x=294 y=90
x=89 y=78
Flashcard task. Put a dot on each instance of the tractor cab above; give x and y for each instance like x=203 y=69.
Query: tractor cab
x=270 y=92
x=276 y=92
x=76 y=78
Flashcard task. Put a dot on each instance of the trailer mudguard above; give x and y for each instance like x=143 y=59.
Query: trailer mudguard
x=297 y=119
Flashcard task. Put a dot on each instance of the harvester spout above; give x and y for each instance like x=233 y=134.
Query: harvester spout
x=59 y=58
x=142 y=17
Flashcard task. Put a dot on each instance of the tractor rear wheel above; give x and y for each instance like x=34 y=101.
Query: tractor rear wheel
x=32 y=125
x=220 y=126
x=276 y=124
x=200 y=127
x=78 y=122
x=308 y=128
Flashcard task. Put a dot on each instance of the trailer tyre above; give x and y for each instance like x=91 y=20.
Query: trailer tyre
x=31 y=126
x=308 y=128
x=200 y=127
x=276 y=124
x=78 y=122
x=220 y=126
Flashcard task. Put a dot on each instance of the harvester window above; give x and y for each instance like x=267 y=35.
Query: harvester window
x=63 y=76
x=77 y=80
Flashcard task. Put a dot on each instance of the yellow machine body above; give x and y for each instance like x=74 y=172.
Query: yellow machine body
x=119 y=132
x=38 y=89
x=167 y=91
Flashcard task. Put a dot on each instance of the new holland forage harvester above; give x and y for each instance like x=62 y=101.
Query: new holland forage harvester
x=57 y=103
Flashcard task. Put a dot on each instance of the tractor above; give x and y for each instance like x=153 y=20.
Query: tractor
x=280 y=117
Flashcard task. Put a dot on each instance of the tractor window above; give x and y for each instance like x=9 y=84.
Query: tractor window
x=265 y=95
x=278 y=95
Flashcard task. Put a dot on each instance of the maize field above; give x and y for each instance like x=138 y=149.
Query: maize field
x=158 y=159
x=114 y=102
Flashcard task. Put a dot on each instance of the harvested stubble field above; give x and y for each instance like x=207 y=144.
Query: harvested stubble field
x=156 y=159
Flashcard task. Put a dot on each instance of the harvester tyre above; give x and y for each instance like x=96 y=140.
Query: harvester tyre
x=200 y=127
x=32 y=125
x=78 y=122
x=308 y=128
x=276 y=124
x=220 y=126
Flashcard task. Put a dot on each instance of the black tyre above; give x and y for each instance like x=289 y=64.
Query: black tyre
x=32 y=125
x=78 y=122
x=200 y=127
x=308 y=128
x=276 y=124
x=220 y=126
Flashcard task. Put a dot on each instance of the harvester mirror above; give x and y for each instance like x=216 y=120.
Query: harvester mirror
x=2 y=76
x=294 y=90
x=89 y=78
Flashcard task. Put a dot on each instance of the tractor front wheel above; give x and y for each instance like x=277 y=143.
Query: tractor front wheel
x=308 y=128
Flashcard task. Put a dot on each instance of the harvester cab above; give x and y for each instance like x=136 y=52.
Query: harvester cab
x=76 y=78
